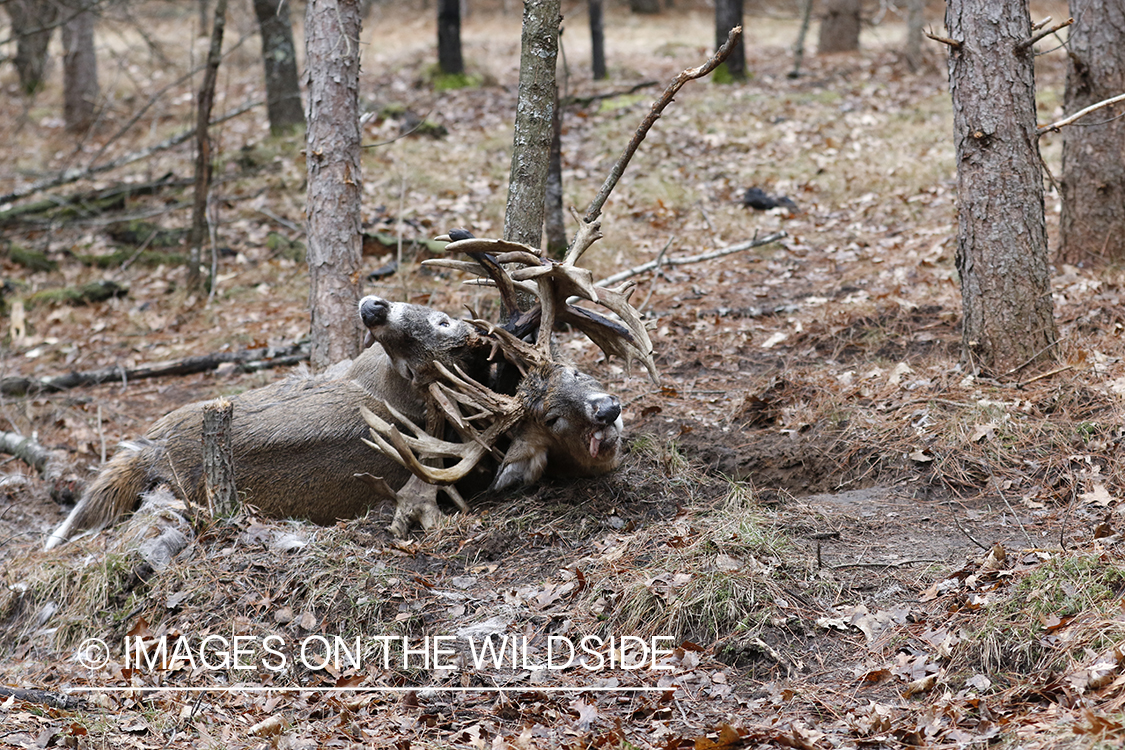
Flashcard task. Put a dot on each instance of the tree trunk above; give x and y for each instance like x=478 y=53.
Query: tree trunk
x=799 y=45
x=334 y=178
x=204 y=16
x=915 y=32
x=728 y=14
x=531 y=144
x=203 y=149
x=1002 y=239
x=32 y=25
x=647 y=7
x=839 y=29
x=218 y=459
x=597 y=39
x=80 y=71
x=449 y=37
x=1093 y=173
x=279 y=57
x=555 y=223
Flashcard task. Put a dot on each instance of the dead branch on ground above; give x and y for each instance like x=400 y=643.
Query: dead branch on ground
x=248 y=360
x=685 y=260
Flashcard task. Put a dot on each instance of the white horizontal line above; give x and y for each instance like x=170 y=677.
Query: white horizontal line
x=370 y=689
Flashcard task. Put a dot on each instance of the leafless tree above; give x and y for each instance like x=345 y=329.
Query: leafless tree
x=450 y=60
x=531 y=144
x=1002 y=241
x=728 y=14
x=332 y=154
x=33 y=22
x=597 y=39
x=1093 y=175
x=80 y=68
x=839 y=29
x=279 y=58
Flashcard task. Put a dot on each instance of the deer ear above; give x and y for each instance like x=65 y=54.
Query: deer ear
x=523 y=464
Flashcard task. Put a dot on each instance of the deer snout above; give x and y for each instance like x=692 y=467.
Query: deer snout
x=374 y=311
x=604 y=408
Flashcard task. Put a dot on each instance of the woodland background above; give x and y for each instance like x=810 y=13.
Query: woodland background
x=854 y=537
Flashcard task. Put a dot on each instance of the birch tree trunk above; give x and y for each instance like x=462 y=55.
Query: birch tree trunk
x=531 y=146
x=1002 y=239
x=1093 y=174
x=334 y=186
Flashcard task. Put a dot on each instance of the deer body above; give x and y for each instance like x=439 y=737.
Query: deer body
x=297 y=443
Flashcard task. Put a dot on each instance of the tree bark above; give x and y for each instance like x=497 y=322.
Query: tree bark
x=80 y=70
x=449 y=37
x=728 y=14
x=204 y=16
x=279 y=58
x=218 y=459
x=915 y=21
x=1093 y=173
x=555 y=223
x=839 y=29
x=597 y=39
x=1002 y=240
x=334 y=178
x=32 y=25
x=203 y=163
x=531 y=147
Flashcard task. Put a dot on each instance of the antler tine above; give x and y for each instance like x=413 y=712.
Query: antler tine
x=588 y=233
x=387 y=438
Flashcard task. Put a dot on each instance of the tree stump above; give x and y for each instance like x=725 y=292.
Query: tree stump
x=218 y=459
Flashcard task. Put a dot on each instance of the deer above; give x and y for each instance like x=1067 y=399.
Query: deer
x=297 y=443
x=555 y=421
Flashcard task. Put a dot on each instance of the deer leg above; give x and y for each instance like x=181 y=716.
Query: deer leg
x=416 y=502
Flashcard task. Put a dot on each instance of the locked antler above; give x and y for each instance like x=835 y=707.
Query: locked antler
x=555 y=284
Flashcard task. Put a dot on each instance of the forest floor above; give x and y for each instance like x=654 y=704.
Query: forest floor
x=842 y=534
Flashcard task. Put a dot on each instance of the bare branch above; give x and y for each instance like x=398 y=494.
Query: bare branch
x=944 y=40
x=595 y=209
x=1054 y=126
x=1043 y=34
x=683 y=261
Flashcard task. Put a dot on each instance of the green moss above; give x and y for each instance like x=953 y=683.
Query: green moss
x=33 y=260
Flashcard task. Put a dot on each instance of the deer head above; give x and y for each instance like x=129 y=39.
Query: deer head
x=558 y=420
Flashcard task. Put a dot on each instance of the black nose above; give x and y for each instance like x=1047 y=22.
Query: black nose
x=606 y=409
x=373 y=311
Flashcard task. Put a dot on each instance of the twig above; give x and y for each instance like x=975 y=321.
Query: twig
x=74 y=175
x=683 y=261
x=1043 y=34
x=281 y=220
x=968 y=536
x=1081 y=113
x=885 y=565
x=944 y=40
x=1033 y=358
x=1044 y=375
x=655 y=276
x=595 y=209
x=1012 y=510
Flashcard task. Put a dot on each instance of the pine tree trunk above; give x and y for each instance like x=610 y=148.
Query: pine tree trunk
x=80 y=71
x=279 y=58
x=335 y=182
x=728 y=14
x=32 y=25
x=1093 y=174
x=531 y=144
x=1002 y=239
x=839 y=29
x=597 y=39
x=449 y=37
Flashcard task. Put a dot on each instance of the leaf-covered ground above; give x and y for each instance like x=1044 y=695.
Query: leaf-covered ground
x=847 y=538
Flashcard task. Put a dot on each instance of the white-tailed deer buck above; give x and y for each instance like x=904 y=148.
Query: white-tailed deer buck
x=558 y=419
x=297 y=443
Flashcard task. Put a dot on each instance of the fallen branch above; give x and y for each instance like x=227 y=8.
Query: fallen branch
x=1054 y=126
x=595 y=209
x=248 y=360
x=686 y=260
x=74 y=175
x=42 y=697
